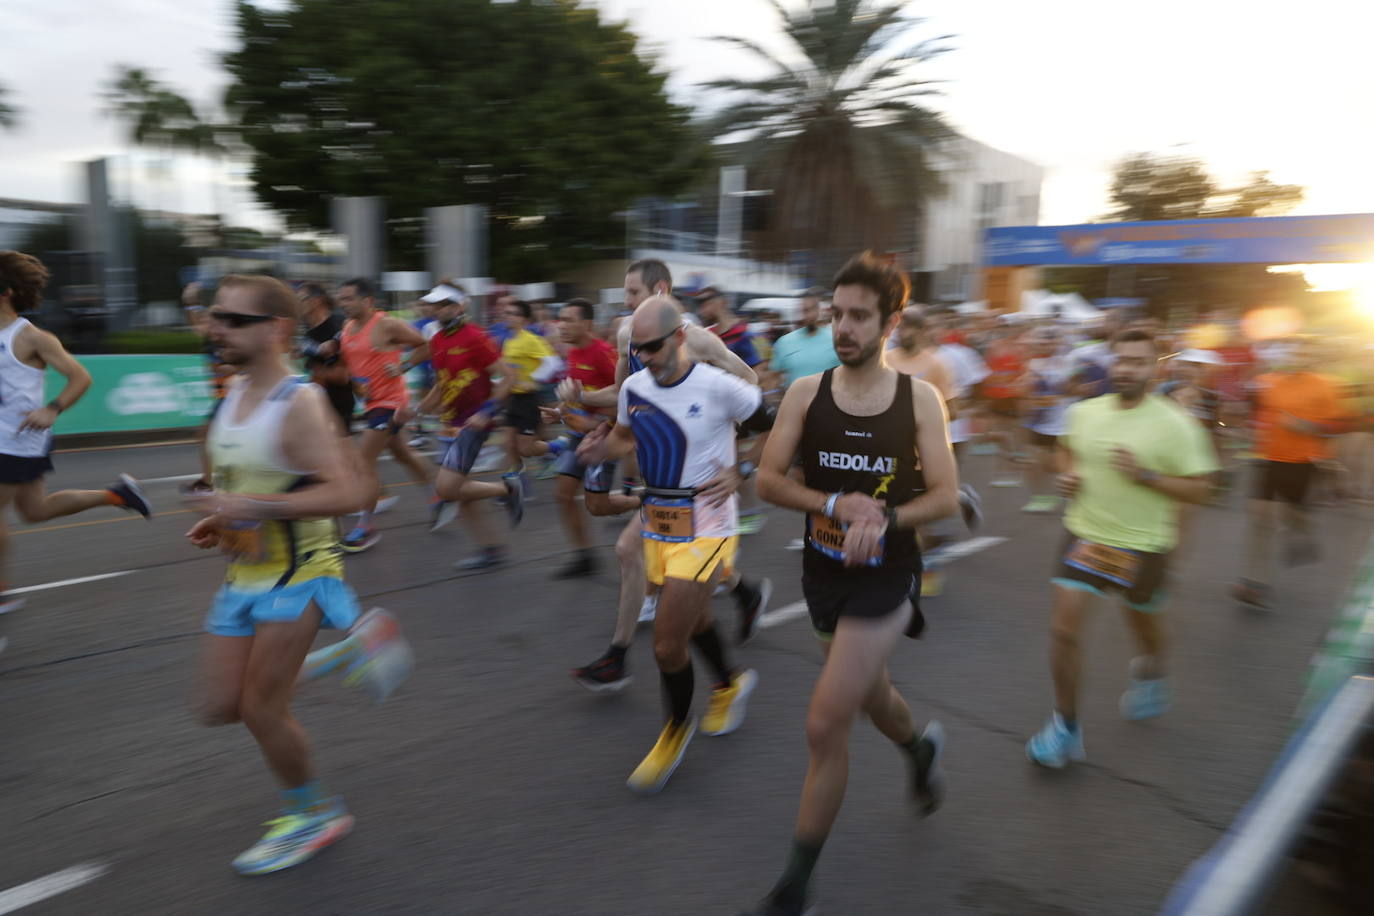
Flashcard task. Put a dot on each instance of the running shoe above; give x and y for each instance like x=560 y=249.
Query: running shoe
x=360 y=539
x=726 y=712
x=1251 y=594
x=131 y=496
x=605 y=675
x=384 y=659
x=293 y=838
x=441 y=513
x=752 y=522
x=385 y=504
x=9 y=604
x=649 y=609
x=420 y=441
x=1041 y=505
x=1145 y=698
x=652 y=773
x=486 y=558
x=515 y=498
x=581 y=566
x=752 y=608
x=1055 y=745
x=927 y=775
x=971 y=507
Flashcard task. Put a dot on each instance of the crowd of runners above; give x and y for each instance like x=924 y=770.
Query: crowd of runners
x=686 y=418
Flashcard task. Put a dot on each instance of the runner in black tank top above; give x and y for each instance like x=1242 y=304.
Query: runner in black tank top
x=876 y=465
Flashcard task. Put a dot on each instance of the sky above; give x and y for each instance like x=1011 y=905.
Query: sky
x=1073 y=85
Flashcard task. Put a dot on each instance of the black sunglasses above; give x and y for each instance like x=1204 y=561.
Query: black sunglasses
x=651 y=346
x=238 y=319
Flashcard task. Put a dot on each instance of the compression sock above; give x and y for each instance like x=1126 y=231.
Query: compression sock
x=677 y=692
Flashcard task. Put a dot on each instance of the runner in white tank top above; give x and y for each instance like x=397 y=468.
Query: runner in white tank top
x=26 y=352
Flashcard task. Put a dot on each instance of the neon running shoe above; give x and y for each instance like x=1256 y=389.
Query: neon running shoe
x=1145 y=698
x=293 y=838
x=360 y=539
x=131 y=496
x=1055 y=745
x=653 y=772
x=726 y=712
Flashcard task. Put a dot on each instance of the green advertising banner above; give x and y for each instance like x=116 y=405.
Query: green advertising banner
x=137 y=392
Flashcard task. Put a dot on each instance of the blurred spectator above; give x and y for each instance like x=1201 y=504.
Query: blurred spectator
x=809 y=349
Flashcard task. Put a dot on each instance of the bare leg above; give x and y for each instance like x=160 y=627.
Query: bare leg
x=269 y=682
x=629 y=551
x=36 y=505
x=1259 y=541
x=371 y=446
x=1148 y=629
x=574 y=518
x=472 y=494
x=223 y=661
x=419 y=471
x=1066 y=625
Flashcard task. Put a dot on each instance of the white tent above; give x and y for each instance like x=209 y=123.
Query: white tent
x=1069 y=307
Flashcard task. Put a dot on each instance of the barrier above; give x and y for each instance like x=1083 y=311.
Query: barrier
x=137 y=392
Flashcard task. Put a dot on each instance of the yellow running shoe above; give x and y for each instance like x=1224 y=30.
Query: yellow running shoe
x=652 y=773
x=726 y=712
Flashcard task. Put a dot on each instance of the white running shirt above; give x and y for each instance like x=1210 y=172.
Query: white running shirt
x=21 y=392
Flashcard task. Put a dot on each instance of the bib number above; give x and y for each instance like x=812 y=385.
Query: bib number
x=827 y=536
x=668 y=519
x=1115 y=564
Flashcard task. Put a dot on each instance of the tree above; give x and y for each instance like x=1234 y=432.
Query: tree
x=841 y=126
x=155 y=115
x=9 y=115
x=1146 y=186
x=535 y=109
x=160 y=251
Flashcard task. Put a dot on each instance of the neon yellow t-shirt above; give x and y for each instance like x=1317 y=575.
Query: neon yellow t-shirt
x=522 y=355
x=1110 y=507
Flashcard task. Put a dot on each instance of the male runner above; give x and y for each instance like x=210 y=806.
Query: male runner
x=468 y=400
x=321 y=351
x=680 y=418
x=280 y=475
x=917 y=352
x=530 y=362
x=1005 y=358
x=807 y=350
x=1297 y=415
x=645 y=278
x=372 y=345
x=877 y=465
x=26 y=422
x=1127 y=460
x=1048 y=376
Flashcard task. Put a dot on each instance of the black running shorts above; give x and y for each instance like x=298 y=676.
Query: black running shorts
x=1287 y=481
x=865 y=593
x=15 y=469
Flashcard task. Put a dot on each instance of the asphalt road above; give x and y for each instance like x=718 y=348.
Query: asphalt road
x=492 y=784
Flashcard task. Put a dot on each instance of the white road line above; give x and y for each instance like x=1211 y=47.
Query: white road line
x=960 y=549
x=16 y=898
x=180 y=478
x=63 y=582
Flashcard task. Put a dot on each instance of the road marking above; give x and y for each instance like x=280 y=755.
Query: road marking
x=64 y=582
x=177 y=479
x=960 y=549
x=783 y=614
x=17 y=898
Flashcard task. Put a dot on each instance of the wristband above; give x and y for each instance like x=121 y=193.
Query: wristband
x=54 y=405
x=747 y=469
x=829 y=510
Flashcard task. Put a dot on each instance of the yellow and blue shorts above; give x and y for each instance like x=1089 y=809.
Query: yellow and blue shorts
x=237 y=611
x=695 y=560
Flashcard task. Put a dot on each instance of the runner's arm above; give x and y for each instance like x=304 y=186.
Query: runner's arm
x=706 y=347
x=51 y=351
x=941 y=497
x=780 y=450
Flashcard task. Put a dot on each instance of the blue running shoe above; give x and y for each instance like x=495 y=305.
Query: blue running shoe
x=1055 y=745
x=1145 y=698
x=359 y=539
x=131 y=496
x=293 y=838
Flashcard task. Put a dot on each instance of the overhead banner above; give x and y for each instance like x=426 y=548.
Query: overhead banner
x=1263 y=240
x=136 y=393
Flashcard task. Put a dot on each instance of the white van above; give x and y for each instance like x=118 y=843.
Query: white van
x=788 y=309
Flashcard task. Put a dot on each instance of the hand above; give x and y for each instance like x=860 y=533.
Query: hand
x=594 y=447
x=1124 y=461
x=863 y=541
x=570 y=391
x=853 y=508
x=223 y=506
x=550 y=415
x=721 y=487
x=205 y=533
x=40 y=419
x=1068 y=484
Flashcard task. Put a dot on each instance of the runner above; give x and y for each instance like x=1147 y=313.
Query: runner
x=372 y=345
x=26 y=352
x=809 y=349
x=467 y=398
x=1297 y=414
x=1047 y=380
x=1127 y=460
x=1005 y=358
x=321 y=351
x=427 y=324
x=680 y=417
x=877 y=465
x=645 y=278
x=280 y=474
x=530 y=362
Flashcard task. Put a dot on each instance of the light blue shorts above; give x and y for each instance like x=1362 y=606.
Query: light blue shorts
x=236 y=612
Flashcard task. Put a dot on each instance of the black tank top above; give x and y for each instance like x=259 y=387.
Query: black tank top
x=875 y=455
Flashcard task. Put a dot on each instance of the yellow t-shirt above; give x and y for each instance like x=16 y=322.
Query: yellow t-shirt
x=522 y=355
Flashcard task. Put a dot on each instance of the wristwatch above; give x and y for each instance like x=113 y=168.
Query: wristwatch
x=747 y=469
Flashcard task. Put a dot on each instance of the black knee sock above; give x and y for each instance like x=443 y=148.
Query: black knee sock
x=617 y=652
x=744 y=594
x=708 y=644
x=917 y=751
x=677 y=692
x=791 y=887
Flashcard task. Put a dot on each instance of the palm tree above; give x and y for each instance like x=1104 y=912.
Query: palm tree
x=9 y=115
x=154 y=115
x=840 y=128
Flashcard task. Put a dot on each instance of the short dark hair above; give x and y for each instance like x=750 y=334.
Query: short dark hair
x=525 y=311
x=1135 y=335
x=362 y=286
x=22 y=276
x=316 y=291
x=652 y=271
x=867 y=270
x=586 y=311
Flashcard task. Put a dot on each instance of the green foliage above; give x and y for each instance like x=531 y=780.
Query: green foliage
x=1146 y=186
x=535 y=109
x=844 y=135
x=149 y=340
x=155 y=115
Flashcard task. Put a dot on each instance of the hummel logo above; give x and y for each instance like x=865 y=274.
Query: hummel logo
x=694 y=410
x=858 y=435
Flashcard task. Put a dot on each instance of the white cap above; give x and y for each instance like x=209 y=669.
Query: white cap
x=1205 y=357
x=445 y=293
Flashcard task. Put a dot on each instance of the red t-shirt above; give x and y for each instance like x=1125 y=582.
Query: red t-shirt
x=593 y=366
x=460 y=359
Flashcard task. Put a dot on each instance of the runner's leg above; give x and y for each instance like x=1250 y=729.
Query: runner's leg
x=36 y=505
x=269 y=681
x=1066 y=627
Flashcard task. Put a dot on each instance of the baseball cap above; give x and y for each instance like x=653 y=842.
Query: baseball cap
x=445 y=293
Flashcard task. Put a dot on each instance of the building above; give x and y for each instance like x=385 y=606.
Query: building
x=19 y=217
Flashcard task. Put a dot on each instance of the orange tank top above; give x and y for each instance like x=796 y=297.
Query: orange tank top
x=367 y=365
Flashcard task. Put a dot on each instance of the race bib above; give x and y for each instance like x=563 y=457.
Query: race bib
x=242 y=542
x=668 y=519
x=1115 y=564
x=827 y=536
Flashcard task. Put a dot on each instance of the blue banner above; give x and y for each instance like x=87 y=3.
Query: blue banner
x=1266 y=240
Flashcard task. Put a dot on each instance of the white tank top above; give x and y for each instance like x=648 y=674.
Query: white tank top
x=21 y=392
x=252 y=449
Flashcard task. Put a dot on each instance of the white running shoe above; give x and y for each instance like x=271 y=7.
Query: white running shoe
x=648 y=609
